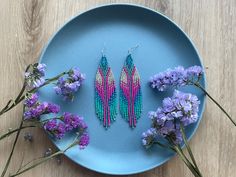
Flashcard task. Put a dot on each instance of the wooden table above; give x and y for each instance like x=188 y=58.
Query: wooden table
x=26 y=25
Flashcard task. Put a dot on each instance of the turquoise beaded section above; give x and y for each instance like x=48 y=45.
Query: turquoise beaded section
x=105 y=94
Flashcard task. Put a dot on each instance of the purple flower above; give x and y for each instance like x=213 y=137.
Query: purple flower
x=38 y=109
x=52 y=108
x=84 y=140
x=58 y=127
x=55 y=128
x=73 y=121
x=176 y=77
x=187 y=107
x=148 y=137
x=176 y=136
x=194 y=71
x=35 y=76
x=27 y=115
x=27 y=74
x=31 y=100
x=181 y=108
x=50 y=125
x=41 y=67
x=38 y=82
x=61 y=130
x=68 y=86
x=82 y=125
x=76 y=74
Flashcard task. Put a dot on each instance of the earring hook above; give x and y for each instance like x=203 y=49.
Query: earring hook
x=132 y=49
x=103 y=49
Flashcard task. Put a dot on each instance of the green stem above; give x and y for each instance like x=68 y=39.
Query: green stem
x=38 y=163
x=53 y=79
x=164 y=146
x=13 y=148
x=222 y=109
x=42 y=160
x=25 y=165
x=21 y=97
x=180 y=153
x=21 y=92
x=13 y=105
x=188 y=148
x=15 y=130
x=8 y=103
x=6 y=108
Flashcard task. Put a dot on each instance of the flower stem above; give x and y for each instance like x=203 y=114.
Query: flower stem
x=13 y=148
x=38 y=163
x=222 y=109
x=180 y=153
x=22 y=96
x=6 y=108
x=177 y=149
x=164 y=145
x=8 y=103
x=188 y=148
x=15 y=130
x=41 y=160
x=15 y=102
x=21 y=92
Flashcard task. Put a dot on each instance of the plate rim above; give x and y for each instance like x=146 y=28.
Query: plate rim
x=180 y=29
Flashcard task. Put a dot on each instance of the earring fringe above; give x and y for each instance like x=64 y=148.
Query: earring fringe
x=130 y=93
x=105 y=93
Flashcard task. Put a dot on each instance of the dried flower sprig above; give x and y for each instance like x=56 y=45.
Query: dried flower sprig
x=68 y=86
x=34 y=108
x=82 y=139
x=168 y=122
x=179 y=77
x=34 y=80
x=35 y=77
x=31 y=84
x=57 y=127
x=11 y=131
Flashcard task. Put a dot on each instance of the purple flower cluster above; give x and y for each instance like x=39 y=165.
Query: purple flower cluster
x=84 y=140
x=57 y=127
x=73 y=121
x=68 y=86
x=176 y=77
x=35 y=76
x=34 y=108
x=149 y=137
x=181 y=108
x=31 y=100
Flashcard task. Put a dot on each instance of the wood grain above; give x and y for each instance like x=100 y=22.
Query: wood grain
x=26 y=25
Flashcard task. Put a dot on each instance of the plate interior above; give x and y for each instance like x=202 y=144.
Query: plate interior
x=162 y=45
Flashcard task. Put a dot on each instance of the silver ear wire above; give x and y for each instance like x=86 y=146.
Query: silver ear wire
x=132 y=49
x=103 y=49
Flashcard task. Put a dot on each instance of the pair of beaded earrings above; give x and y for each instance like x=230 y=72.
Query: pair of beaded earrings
x=130 y=98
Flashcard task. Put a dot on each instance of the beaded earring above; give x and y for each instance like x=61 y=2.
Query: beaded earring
x=105 y=93
x=130 y=92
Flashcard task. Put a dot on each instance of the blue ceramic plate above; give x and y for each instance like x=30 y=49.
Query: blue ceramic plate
x=163 y=45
